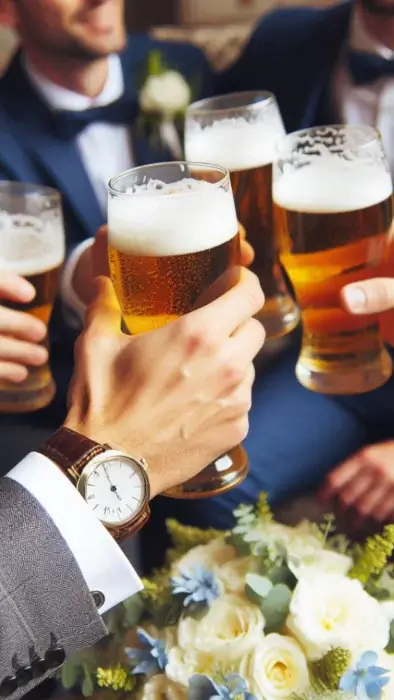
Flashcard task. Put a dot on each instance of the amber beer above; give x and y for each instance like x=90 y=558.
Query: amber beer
x=37 y=255
x=174 y=246
x=333 y=218
x=167 y=260
x=240 y=132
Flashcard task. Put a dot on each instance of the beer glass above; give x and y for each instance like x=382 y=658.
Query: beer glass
x=333 y=206
x=31 y=245
x=174 y=246
x=239 y=132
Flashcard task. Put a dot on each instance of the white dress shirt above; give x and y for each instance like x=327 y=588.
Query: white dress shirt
x=105 y=150
x=101 y=561
x=371 y=104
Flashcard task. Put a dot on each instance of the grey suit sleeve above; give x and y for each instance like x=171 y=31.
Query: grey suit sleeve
x=47 y=613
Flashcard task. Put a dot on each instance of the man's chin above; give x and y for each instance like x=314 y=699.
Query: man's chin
x=379 y=7
x=91 y=51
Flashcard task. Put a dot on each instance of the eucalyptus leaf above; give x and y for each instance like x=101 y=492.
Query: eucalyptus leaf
x=390 y=645
x=259 y=584
x=87 y=687
x=275 y=607
x=282 y=574
x=134 y=609
x=69 y=674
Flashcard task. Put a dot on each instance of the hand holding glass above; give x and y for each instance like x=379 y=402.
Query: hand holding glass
x=174 y=245
x=333 y=204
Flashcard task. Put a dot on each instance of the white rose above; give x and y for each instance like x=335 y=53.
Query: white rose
x=211 y=556
x=387 y=661
x=231 y=629
x=329 y=611
x=319 y=561
x=162 y=688
x=277 y=668
x=184 y=663
x=232 y=575
x=388 y=609
x=167 y=93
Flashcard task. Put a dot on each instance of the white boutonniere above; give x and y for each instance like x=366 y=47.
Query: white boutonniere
x=164 y=98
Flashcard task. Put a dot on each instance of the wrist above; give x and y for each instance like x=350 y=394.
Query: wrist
x=101 y=436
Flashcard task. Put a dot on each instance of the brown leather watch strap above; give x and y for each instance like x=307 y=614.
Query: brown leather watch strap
x=71 y=451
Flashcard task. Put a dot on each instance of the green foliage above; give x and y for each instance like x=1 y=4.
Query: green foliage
x=80 y=671
x=263 y=510
x=257 y=587
x=327 y=527
x=88 y=684
x=374 y=556
x=322 y=695
x=330 y=669
x=185 y=537
x=156 y=64
x=275 y=608
x=116 y=677
x=390 y=645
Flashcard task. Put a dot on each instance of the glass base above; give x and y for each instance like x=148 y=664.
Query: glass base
x=279 y=316
x=35 y=393
x=343 y=377
x=225 y=474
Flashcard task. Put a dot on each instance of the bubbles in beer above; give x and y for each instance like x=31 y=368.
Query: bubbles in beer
x=236 y=143
x=29 y=245
x=332 y=184
x=158 y=219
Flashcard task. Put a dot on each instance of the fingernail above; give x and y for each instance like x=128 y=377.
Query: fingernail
x=356 y=299
x=26 y=290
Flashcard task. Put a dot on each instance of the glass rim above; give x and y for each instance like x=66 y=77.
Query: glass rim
x=225 y=179
x=29 y=189
x=200 y=108
x=282 y=145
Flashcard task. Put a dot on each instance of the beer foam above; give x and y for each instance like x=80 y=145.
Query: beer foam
x=235 y=143
x=160 y=220
x=29 y=245
x=332 y=184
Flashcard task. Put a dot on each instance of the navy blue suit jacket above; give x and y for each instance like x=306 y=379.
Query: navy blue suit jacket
x=30 y=151
x=292 y=53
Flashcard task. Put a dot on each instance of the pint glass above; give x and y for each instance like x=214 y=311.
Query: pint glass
x=239 y=132
x=174 y=246
x=31 y=245
x=333 y=207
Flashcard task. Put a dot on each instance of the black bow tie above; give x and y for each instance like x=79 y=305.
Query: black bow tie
x=69 y=124
x=366 y=68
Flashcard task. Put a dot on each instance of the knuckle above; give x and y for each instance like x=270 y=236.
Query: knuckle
x=195 y=336
x=232 y=373
x=240 y=429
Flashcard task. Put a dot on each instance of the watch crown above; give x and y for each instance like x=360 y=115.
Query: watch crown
x=144 y=463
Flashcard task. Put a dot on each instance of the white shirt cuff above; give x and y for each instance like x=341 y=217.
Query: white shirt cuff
x=74 y=308
x=101 y=561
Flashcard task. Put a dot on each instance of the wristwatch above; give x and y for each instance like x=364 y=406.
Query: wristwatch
x=114 y=485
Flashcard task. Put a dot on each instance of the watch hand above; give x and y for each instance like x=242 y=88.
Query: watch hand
x=107 y=475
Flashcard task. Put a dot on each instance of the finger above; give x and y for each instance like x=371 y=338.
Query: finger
x=100 y=252
x=241 y=231
x=247 y=340
x=369 y=296
x=21 y=325
x=13 y=287
x=355 y=489
x=341 y=475
x=104 y=312
x=385 y=512
x=247 y=254
x=233 y=308
x=369 y=503
x=18 y=351
x=12 y=372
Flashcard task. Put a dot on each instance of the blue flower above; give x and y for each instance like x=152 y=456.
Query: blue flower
x=204 y=688
x=367 y=680
x=149 y=660
x=198 y=585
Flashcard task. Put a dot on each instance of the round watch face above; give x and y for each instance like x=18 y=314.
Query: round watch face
x=114 y=489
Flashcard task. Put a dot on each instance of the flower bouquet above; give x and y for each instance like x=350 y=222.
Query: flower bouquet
x=265 y=611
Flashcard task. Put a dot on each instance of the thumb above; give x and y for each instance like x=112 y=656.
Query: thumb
x=104 y=312
x=370 y=296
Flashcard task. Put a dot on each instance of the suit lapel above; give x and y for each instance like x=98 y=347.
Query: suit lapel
x=59 y=159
